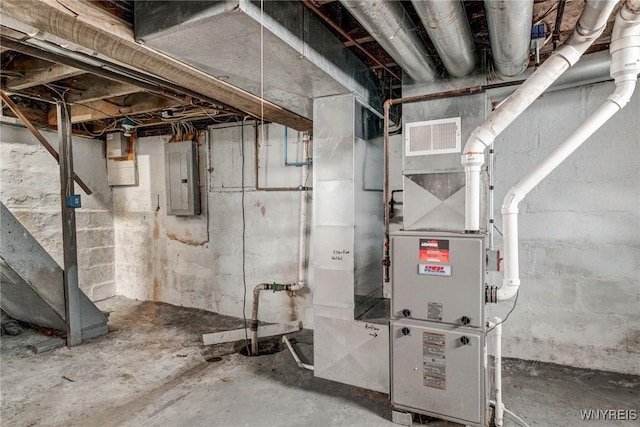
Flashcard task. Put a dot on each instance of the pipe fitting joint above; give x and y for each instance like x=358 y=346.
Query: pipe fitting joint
x=510 y=208
x=473 y=161
x=570 y=54
x=479 y=140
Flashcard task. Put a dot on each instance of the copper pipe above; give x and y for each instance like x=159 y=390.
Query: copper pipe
x=40 y=138
x=344 y=34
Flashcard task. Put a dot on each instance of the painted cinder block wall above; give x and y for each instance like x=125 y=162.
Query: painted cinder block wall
x=30 y=188
x=579 y=301
x=197 y=261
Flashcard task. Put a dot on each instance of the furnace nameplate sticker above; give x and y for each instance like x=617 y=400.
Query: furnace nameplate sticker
x=434 y=270
x=433 y=250
x=434 y=311
x=434 y=360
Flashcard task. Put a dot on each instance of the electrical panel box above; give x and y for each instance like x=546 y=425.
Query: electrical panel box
x=181 y=173
x=439 y=370
x=438 y=277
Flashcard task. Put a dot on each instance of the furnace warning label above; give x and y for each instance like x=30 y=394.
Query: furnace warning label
x=432 y=250
x=434 y=311
x=434 y=372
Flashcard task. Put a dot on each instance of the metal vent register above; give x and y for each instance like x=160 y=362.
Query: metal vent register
x=433 y=137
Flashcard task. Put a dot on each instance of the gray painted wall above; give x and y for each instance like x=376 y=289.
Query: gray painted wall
x=197 y=261
x=579 y=302
x=30 y=188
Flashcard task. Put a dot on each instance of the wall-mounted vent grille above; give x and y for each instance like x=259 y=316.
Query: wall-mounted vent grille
x=432 y=137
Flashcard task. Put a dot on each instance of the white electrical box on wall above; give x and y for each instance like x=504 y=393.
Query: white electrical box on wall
x=181 y=173
x=122 y=172
x=117 y=145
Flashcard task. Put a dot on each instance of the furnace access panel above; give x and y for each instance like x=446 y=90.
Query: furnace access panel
x=438 y=370
x=438 y=277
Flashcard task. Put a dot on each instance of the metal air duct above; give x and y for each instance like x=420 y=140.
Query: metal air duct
x=389 y=24
x=449 y=31
x=509 y=24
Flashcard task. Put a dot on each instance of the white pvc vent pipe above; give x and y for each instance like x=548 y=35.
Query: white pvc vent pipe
x=590 y=25
x=625 y=66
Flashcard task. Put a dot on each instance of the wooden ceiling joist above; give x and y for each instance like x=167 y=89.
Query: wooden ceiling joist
x=137 y=103
x=99 y=32
x=37 y=77
x=102 y=89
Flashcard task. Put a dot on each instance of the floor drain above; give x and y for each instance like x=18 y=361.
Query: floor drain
x=214 y=359
x=265 y=347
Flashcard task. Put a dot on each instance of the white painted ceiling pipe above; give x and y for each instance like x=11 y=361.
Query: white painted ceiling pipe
x=590 y=25
x=625 y=66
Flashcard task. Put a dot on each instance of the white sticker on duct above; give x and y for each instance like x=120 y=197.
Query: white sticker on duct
x=434 y=270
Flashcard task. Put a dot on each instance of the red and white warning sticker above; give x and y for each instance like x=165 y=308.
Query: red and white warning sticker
x=434 y=250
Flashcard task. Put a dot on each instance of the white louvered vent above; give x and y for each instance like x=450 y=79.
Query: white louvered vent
x=432 y=137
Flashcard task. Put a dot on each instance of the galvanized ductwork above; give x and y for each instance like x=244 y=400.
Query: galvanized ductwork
x=392 y=28
x=509 y=24
x=449 y=31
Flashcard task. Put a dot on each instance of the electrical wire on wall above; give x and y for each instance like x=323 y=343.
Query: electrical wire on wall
x=515 y=301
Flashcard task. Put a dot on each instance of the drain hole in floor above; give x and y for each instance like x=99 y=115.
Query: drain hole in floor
x=213 y=359
x=265 y=347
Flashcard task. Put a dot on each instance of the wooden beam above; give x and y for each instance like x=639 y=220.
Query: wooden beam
x=103 y=89
x=358 y=41
x=31 y=114
x=40 y=138
x=38 y=77
x=99 y=32
x=137 y=103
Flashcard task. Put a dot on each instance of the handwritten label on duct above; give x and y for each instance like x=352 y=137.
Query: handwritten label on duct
x=372 y=329
x=338 y=254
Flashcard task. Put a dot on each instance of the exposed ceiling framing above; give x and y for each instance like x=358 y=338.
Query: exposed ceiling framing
x=102 y=95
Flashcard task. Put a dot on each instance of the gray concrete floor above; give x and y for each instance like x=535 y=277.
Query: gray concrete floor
x=152 y=370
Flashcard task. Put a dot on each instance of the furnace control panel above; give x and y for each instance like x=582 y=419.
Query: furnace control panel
x=438 y=277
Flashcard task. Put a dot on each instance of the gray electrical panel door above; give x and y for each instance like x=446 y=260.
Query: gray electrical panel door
x=438 y=277
x=438 y=370
x=181 y=173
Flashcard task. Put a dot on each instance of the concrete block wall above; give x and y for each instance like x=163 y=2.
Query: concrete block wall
x=197 y=261
x=30 y=188
x=579 y=302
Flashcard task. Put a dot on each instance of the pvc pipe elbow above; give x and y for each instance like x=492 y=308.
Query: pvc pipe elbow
x=479 y=140
x=508 y=290
x=510 y=203
x=623 y=92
